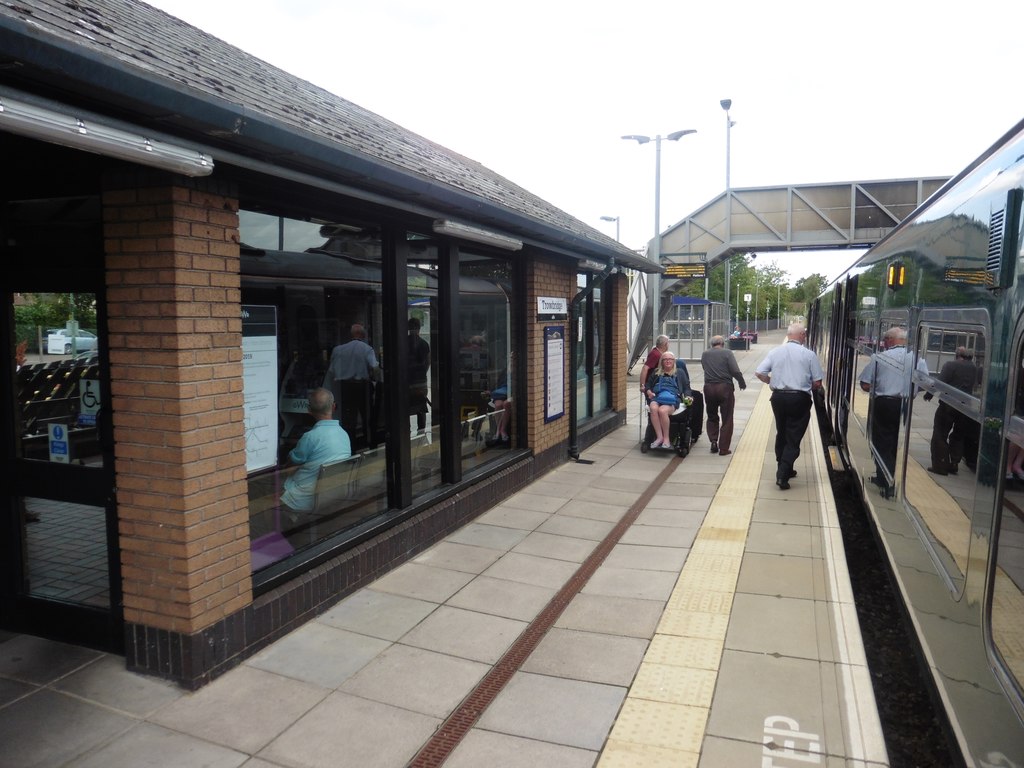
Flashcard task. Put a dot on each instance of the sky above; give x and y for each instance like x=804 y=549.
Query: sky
x=541 y=91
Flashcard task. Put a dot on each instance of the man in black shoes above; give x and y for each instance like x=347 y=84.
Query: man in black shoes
x=793 y=372
x=720 y=368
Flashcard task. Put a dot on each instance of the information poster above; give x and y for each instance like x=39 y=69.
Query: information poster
x=554 y=371
x=259 y=385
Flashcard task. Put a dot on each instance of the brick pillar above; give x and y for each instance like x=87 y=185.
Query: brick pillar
x=173 y=292
x=545 y=279
x=617 y=293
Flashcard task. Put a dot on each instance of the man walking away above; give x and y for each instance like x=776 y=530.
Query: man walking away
x=793 y=372
x=720 y=368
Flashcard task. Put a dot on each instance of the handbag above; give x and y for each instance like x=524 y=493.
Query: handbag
x=666 y=397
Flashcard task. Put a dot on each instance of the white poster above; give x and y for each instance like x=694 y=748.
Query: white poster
x=554 y=372
x=259 y=385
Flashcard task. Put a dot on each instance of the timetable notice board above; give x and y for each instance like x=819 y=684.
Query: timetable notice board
x=554 y=372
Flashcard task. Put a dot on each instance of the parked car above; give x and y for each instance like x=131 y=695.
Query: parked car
x=61 y=341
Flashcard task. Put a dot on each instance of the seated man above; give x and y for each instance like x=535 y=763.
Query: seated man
x=503 y=407
x=325 y=441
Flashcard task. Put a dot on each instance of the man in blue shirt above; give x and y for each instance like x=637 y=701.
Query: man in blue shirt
x=887 y=377
x=325 y=442
x=793 y=372
x=354 y=367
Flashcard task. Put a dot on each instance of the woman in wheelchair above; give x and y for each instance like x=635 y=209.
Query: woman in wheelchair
x=663 y=397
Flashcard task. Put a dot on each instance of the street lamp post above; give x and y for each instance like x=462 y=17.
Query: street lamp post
x=654 y=286
x=616 y=220
x=755 y=302
x=726 y=104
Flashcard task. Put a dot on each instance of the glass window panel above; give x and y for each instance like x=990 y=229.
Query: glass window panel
x=66 y=552
x=58 y=384
x=486 y=396
x=323 y=296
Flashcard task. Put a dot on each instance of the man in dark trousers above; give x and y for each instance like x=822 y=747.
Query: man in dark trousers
x=793 y=372
x=419 y=364
x=720 y=368
x=954 y=434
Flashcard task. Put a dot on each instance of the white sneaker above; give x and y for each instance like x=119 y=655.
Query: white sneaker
x=656 y=444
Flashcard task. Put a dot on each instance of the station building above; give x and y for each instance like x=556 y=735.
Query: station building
x=216 y=228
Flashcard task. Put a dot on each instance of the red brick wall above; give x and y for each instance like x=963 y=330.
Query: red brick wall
x=558 y=281
x=173 y=294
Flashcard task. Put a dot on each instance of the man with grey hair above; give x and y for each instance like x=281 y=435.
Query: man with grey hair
x=653 y=357
x=887 y=377
x=325 y=441
x=720 y=368
x=793 y=373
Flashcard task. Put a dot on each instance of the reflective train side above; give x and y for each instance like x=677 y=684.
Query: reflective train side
x=931 y=458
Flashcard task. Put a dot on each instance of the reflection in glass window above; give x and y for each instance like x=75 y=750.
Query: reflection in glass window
x=485 y=377
x=58 y=379
x=945 y=429
x=65 y=551
x=317 y=299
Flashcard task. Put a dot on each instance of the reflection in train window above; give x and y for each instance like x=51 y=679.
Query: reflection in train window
x=1007 y=604
x=945 y=428
x=885 y=377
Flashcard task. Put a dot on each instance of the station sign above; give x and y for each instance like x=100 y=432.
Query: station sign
x=684 y=271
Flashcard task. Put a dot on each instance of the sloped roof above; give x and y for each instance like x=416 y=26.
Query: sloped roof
x=138 y=63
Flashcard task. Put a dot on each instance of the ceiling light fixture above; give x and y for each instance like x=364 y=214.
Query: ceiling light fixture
x=477 y=235
x=89 y=133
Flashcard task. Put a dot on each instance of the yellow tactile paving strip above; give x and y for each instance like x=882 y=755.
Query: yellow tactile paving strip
x=663 y=719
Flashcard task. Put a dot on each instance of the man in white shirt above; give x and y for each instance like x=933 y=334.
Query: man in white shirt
x=792 y=371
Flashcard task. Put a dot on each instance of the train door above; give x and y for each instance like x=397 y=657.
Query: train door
x=1006 y=574
x=59 y=574
x=944 y=425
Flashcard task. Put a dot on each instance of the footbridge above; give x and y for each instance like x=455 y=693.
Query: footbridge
x=854 y=214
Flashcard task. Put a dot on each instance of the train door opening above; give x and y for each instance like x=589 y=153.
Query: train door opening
x=60 y=565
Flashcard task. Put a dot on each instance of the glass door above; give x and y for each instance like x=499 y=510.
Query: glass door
x=60 y=575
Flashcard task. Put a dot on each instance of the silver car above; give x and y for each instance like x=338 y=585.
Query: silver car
x=61 y=341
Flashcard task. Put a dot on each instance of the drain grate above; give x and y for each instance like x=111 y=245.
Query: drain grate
x=459 y=722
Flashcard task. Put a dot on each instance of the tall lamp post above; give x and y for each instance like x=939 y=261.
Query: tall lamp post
x=616 y=220
x=726 y=104
x=654 y=286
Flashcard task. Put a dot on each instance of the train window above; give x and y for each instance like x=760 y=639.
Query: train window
x=1007 y=586
x=945 y=428
x=885 y=378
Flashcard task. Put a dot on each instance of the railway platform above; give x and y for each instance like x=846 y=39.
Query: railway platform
x=626 y=610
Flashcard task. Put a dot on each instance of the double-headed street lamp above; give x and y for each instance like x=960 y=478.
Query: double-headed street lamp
x=654 y=285
x=616 y=220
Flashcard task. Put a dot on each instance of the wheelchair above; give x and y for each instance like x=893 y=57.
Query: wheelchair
x=684 y=426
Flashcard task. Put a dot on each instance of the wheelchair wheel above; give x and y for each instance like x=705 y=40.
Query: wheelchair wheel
x=643 y=446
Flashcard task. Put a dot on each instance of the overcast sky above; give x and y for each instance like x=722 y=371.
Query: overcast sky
x=541 y=90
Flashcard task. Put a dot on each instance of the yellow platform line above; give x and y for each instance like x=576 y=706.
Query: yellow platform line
x=664 y=716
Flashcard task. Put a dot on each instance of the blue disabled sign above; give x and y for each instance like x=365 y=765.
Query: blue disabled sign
x=58 y=434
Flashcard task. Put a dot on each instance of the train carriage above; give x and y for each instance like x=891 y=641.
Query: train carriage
x=940 y=462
